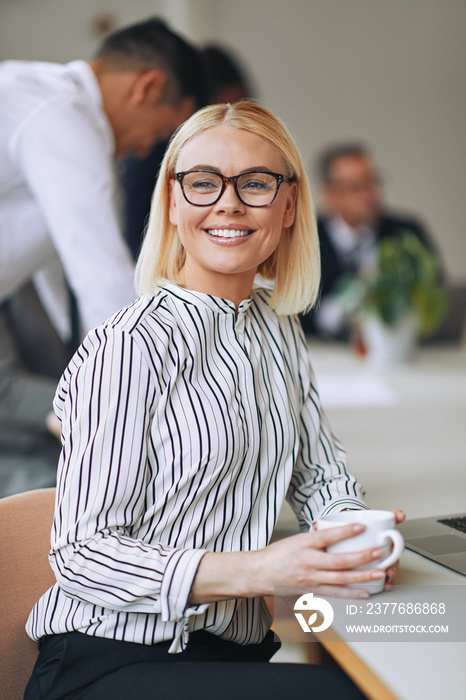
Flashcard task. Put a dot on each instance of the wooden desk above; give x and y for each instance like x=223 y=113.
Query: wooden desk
x=393 y=670
x=411 y=670
x=409 y=453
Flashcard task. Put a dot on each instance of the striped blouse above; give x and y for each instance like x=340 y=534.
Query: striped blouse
x=185 y=425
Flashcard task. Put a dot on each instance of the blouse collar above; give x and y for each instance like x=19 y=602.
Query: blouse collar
x=215 y=304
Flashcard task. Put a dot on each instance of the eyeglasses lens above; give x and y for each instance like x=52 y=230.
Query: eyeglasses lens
x=255 y=189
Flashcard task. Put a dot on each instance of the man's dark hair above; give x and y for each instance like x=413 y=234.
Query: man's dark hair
x=151 y=44
x=330 y=155
x=222 y=70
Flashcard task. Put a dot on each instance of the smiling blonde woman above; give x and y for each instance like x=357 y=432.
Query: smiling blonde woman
x=187 y=420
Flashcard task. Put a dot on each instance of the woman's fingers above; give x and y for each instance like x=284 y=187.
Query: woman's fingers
x=346 y=576
x=352 y=560
x=325 y=538
x=334 y=591
x=399 y=516
x=391 y=572
x=348 y=560
x=327 y=590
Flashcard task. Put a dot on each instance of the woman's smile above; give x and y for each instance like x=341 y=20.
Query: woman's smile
x=228 y=233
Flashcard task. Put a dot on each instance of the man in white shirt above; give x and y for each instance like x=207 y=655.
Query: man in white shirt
x=61 y=126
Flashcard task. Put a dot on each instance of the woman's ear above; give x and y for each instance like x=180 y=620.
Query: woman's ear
x=290 y=209
x=173 y=209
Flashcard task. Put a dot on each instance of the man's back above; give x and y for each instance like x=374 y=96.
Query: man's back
x=56 y=182
x=61 y=128
x=28 y=88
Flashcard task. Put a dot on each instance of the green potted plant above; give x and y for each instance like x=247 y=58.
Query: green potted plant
x=399 y=300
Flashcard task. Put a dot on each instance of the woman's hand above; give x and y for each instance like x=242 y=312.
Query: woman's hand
x=295 y=562
x=53 y=424
x=302 y=561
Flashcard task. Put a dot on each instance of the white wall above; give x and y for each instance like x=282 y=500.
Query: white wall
x=389 y=73
x=62 y=30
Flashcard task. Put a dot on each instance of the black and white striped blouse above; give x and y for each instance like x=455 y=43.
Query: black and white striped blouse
x=184 y=427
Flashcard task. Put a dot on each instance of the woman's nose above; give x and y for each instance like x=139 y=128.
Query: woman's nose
x=229 y=199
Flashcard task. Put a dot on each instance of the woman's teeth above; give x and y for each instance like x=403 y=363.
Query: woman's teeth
x=227 y=233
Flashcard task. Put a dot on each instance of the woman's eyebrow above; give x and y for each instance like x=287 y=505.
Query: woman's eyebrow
x=212 y=168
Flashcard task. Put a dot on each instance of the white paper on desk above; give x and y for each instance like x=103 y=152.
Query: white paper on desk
x=355 y=389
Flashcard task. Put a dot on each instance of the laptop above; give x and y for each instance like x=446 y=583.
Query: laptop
x=441 y=538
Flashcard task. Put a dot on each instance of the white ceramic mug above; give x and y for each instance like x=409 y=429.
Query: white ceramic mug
x=379 y=532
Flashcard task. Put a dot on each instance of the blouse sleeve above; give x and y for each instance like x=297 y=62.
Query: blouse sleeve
x=105 y=403
x=320 y=483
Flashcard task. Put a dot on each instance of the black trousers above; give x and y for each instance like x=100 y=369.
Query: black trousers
x=76 y=666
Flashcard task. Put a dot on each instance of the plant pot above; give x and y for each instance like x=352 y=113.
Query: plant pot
x=390 y=345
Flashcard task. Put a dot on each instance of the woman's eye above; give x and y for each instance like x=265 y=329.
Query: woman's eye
x=204 y=185
x=255 y=186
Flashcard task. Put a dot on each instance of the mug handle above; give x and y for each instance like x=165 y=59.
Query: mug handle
x=398 y=547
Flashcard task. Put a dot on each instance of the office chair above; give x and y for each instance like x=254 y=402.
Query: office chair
x=25 y=574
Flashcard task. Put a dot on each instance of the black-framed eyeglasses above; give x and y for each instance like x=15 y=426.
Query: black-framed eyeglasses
x=254 y=188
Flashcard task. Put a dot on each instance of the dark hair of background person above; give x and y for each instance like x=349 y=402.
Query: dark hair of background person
x=151 y=44
x=223 y=81
x=328 y=157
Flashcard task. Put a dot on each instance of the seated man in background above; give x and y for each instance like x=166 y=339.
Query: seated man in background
x=355 y=220
x=61 y=126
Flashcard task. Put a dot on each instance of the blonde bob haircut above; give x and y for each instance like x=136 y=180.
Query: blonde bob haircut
x=294 y=266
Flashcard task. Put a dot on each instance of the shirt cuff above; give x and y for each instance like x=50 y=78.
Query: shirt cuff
x=343 y=504
x=177 y=582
